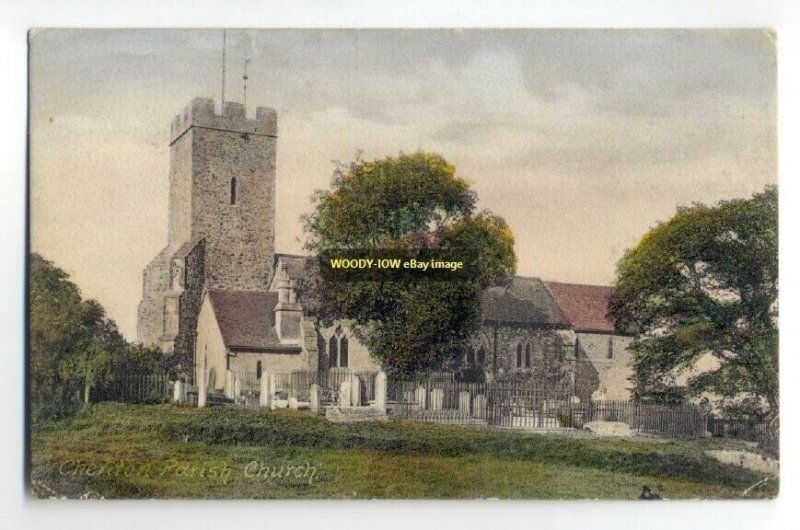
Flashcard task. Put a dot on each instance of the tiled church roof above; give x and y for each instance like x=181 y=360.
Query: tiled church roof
x=247 y=319
x=524 y=301
x=586 y=306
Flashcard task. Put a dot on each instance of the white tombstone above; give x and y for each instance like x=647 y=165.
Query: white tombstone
x=420 y=396
x=237 y=387
x=437 y=399
x=463 y=402
x=380 y=391
x=479 y=406
x=355 y=391
x=264 y=396
x=315 y=398
x=177 y=392
x=293 y=403
x=408 y=397
x=229 y=384
x=344 y=394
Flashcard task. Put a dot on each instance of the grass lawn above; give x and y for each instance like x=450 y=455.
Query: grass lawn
x=138 y=451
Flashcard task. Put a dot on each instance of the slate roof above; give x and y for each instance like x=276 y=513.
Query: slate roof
x=247 y=320
x=523 y=301
x=585 y=306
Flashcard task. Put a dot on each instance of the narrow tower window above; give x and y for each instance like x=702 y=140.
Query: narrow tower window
x=258 y=370
x=233 y=190
x=527 y=355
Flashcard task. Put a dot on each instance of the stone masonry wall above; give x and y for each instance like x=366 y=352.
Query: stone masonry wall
x=550 y=360
x=240 y=237
x=206 y=152
x=191 y=269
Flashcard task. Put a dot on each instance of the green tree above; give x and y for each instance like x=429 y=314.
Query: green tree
x=409 y=202
x=706 y=282
x=74 y=347
x=56 y=322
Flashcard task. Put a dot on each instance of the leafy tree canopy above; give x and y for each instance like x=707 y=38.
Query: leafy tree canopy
x=409 y=202
x=706 y=282
x=73 y=345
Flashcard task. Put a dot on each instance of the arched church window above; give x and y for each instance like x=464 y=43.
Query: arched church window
x=470 y=358
x=528 y=355
x=343 y=346
x=519 y=355
x=258 y=370
x=333 y=352
x=233 y=190
x=481 y=356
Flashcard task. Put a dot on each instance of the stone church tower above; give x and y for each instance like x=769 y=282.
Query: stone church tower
x=221 y=219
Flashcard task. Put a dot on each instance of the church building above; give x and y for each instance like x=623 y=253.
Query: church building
x=221 y=297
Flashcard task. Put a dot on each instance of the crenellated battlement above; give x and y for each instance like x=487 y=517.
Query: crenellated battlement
x=200 y=113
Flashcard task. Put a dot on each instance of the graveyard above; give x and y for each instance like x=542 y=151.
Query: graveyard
x=115 y=450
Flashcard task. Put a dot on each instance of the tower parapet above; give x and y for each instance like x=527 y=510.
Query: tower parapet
x=200 y=113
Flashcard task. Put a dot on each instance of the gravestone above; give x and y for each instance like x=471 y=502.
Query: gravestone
x=264 y=396
x=345 y=391
x=408 y=400
x=315 y=398
x=437 y=399
x=237 y=388
x=463 y=402
x=177 y=392
x=380 y=391
x=479 y=406
x=420 y=395
x=293 y=403
x=229 y=384
x=355 y=392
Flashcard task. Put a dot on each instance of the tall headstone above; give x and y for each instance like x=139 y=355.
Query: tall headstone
x=237 y=388
x=355 y=391
x=437 y=399
x=463 y=402
x=229 y=384
x=380 y=391
x=178 y=392
x=344 y=394
x=315 y=398
x=264 y=397
x=420 y=396
x=479 y=406
x=410 y=400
